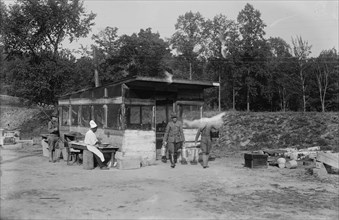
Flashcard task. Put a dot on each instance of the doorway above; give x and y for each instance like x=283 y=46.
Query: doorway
x=164 y=108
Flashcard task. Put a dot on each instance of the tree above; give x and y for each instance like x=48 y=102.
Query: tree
x=36 y=26
x=325 y=71
x=221 y=42
x=281 y=82
x=253 y=49
x=106 y=41
x=138 y=54
x=38 y=67
x=189 y=38
x=106 y=46
x=301 y=51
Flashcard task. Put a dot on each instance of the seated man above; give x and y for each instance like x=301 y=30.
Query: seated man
x=92 y=143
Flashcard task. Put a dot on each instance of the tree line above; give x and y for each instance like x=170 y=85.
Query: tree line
x=255 y=73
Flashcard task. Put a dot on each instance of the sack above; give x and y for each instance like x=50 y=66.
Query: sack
x=214 y=133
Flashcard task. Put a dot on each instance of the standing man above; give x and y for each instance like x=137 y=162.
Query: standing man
x=53 y=137
x=205 y=142
x=174 y=138
x=92 y=142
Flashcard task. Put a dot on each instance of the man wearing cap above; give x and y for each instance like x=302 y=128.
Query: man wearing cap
x=53 y=137
x=92 y=141
x=173 y=138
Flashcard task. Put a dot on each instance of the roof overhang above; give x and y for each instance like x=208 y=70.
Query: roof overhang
x=153 y=83
x=164 y=84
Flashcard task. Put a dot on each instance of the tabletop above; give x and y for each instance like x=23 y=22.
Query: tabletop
x=82 y=145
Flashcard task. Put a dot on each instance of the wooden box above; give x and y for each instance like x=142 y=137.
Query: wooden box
x=256 y=160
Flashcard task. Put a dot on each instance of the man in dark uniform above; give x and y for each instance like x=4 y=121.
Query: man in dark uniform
x=174 y=138
x=205 y=142
x=53 y=137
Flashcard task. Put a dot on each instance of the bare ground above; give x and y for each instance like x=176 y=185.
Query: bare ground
x=33 y=188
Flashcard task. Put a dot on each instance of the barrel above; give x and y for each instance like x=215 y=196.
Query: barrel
x=88 y=160
x=292 y=164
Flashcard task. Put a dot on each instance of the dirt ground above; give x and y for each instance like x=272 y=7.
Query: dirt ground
x=33 y=188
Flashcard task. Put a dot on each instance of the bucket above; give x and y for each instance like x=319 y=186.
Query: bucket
x=281 y=165
x=163 y=151
x=292 y=164
x=281 y=162
x=2 y=132
x=45 y=151
x=88 y=160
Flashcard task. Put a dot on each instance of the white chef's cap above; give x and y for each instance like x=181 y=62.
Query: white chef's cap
x=93 y=124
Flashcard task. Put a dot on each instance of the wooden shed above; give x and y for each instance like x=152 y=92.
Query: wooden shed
x=132 y=113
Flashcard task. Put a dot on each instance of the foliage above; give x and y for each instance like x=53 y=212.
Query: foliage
x=36 y=67
x=255 y=73
x=301 y=51
x=189 y=41
x=32 y=27
x=253 y=52
x=139 y=54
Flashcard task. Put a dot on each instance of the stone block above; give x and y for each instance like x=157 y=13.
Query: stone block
x=128 y=163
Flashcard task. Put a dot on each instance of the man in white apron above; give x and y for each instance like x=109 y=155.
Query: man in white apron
x=91 y=141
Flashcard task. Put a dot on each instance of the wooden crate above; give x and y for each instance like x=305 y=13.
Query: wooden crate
x=256 y=160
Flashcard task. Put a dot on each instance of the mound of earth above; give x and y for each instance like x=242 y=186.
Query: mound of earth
x=272 y=130
x=15 y=115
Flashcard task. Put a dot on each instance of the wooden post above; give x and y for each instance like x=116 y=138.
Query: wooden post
x=219 y=92
x=190 y=71
x=96 y=73
x=105 y=116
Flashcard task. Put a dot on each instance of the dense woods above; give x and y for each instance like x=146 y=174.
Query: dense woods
x=256 y=73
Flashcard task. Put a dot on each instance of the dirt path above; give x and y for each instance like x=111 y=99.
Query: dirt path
x=32 y=188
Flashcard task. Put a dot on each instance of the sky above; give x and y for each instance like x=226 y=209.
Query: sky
x=315 y=21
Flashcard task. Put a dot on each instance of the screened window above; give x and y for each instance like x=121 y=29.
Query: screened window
x=86 y=115
x=99 y=115
x=86 y=94
x=114 y=91
x=64 y=116
x=75 y=113
x=99 y=93
x=139 y=117
x=114 y=116
x=147 y=115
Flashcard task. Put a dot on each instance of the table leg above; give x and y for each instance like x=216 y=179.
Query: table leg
x=112 y=159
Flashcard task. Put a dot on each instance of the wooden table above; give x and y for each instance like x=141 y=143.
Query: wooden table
x=82 y=146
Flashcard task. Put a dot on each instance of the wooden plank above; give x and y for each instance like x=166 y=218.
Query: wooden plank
x=136 y=101
x=86 y=101
x=187 y=102
x=329 y=159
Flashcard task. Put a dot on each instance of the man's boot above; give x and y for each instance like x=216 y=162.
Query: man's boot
x=175 y=157
x=183 y=157
x=204 y=160
x=51 y=157
x=195 y=159
x=171 y=156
